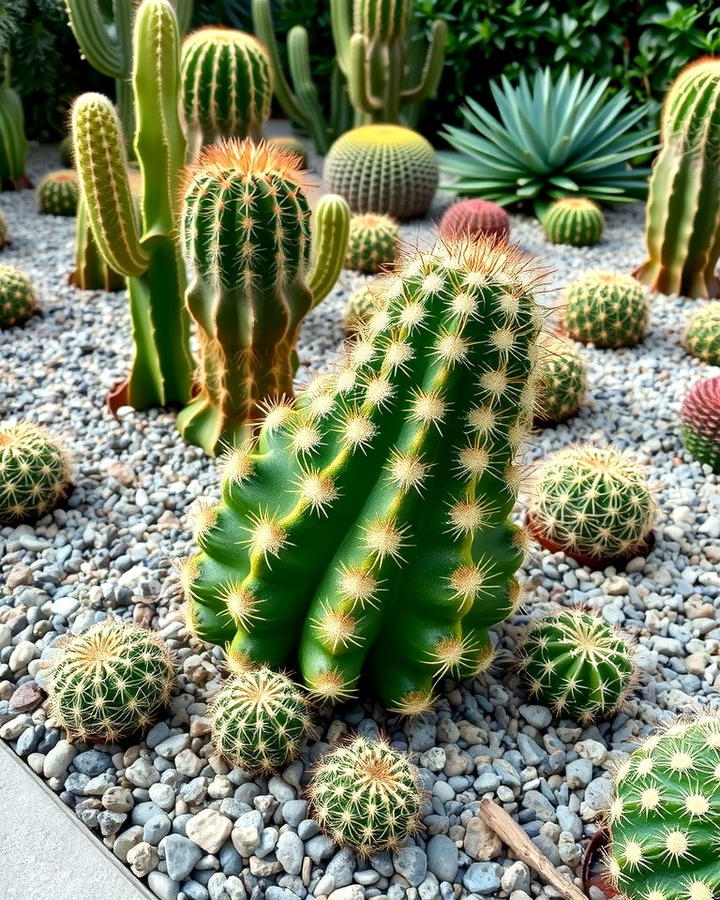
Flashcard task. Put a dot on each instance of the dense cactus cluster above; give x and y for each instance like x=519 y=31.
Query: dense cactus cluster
x=702 y=338
x=562 y=380
x=472 y=218
x=576 y=221
x=361 y=305
x=57 y=193
x=577 y=665
x=366 y=796
x=384 y=169
x=18 y=298
x=34 y=472
x=372 y=243
x=606 y=309
x=700 y=416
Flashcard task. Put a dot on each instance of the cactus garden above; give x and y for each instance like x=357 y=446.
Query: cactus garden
x=360 y=454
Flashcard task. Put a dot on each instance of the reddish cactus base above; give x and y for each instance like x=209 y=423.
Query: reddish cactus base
x=700 y=417
x=470 y=218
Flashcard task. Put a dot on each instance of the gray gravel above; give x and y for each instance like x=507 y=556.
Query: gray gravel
x=170 y=807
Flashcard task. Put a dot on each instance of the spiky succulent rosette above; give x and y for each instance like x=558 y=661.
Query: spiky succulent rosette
x=702 y=337
x=665 y=816
x=562 y=380
x=577 y=665
x=362 y=304
x=576 y=221
x=57 y=193
x=700 y=416
x=606 y=309
x=34 y=472
x=366 y=796
x=259 y=720
x=18 y=298
x=472 y=218
x=372 y=243
x=110 y=681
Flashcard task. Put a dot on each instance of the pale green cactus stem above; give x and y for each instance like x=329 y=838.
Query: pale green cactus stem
x=145 y=249
x=91 y=272
x=13 y=143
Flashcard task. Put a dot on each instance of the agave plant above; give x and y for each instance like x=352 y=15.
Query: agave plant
x=553 y=138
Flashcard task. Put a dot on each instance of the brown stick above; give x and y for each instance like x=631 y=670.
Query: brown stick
x=511 y=833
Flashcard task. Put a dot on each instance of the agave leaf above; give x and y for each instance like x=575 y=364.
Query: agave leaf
x=566 y=184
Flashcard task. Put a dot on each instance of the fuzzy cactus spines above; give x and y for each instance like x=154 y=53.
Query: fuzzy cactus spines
x=398 y=470
x=18 y=297
x=372 y=243
x=57 y=193
x=562 y=380
x=34 y=472
x=576 y=221
x=607 y=309
x=700 y=417
x=665 y=815
x=702 y=337
x=362 y=304
x=256 y=271
x=144 y=249
x=473 y=217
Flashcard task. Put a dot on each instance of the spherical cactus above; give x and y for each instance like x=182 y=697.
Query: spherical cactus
x=577 y=665
x=18 y=298
x=575 y=221
x=702 y=337
x=361 y=304
x=562 y=380
x=700 y=417
x=383 y=169
x=471 y=218
x=373 y=242
x=110 y=682
x=57 y=193
x=593 y=503
x=34 y=472
x=4 y=232
x=259 y=720
x=665 y=816
x=65 y=151
x=292 y=145
x=606 y=309
x=366 y=795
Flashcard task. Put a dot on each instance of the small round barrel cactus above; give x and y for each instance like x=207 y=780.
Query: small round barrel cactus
x=577 y=665
x=259 y=720
x=372 y=243
x=57 y=193
x=361 y=305
x=593 y=503
x=575 y=221
x=18 y=298
x=65 y=151
x=702 y=338
x=562 y=380
x=471 y=218
x=366 y=796
x=383 y=169
x=606 y=309
x=110 y=682
x=4 y=231
x=665 y=816
x=700 y=417
x=34 y=472
x=292 y=145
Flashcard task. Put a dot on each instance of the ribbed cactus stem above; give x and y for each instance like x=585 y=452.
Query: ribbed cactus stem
x=13 y=143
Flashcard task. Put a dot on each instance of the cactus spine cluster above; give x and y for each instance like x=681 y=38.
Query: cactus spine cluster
x=34 y=472
x=13 y=143
x=665 y=816
x=372 y=243
x=110 y=682
x=383 y=169
x=366 y=796
x=246 y=237
x=606 y=309
x=682 y=217
x=145 y=250
x=702 y=338
x=291 y=145
x=361 y=305
x=562 y=380
x=576 y=221
x=227 y=86
x=18 y=298
x=577 y=664
x=592 y=503
x=259 y=720
x=57 y=193
x=471 y=218
x=369 y=528
x=700 y=417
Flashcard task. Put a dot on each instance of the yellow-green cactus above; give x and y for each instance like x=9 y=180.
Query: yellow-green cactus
x=57 y=193
x=18 y=297
x=702 y=338
x=372 y=244
x=607 y=309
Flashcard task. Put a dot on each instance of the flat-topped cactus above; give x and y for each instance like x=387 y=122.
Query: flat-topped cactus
x=702 y=337
x=700 y=417
x=34 y=472
x=369 y=527
x=18 y=297
x=57 y=193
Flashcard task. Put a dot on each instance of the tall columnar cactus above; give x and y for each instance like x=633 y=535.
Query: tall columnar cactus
x=227 y=86
x=13 y=143
x=700 y=416
x=18 y=297
x=246 y=235
x=145 y=250
x=576 y=221
x=562 y=380
x=702 y=337
x=369 y=528
x=372 y=244
x=606 y=309
x=665 y=816
x=57 y=193
x=34 y=472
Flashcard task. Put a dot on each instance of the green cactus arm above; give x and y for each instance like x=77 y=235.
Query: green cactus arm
x=358 y=87
x=107 y=51
x=13 y=143
x=183 y=11
x=341 y=22
x=307 y=95
x=263 y=26
x=432 y=69
x=331 y=228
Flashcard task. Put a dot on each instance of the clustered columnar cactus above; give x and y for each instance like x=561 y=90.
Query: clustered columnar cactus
x=361 y=305
x=91 y=272
x=146 y=252
x=246 y=236
x=700 y=417
x=227 y=86
x=372 y=243
x=562 y=380
x=369 y=528
x=34 y=472
x=259 y=720
x=291 y=145
x=470 y=218
x=606 y=309
x=110 y=682
x=366 y=796
x=383 y=169
x=4 y=231
x=576 y=664
x=665 y=816
x=575 y=221
x=702 y=337
x=18 y=298
x=682 y=217
x=57 y=193
x=593 y=503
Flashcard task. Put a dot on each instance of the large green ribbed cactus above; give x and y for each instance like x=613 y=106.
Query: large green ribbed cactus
x=246 y=235
x=682 y=229
x=369 y=527
x=145 y=251
x=13 y=143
